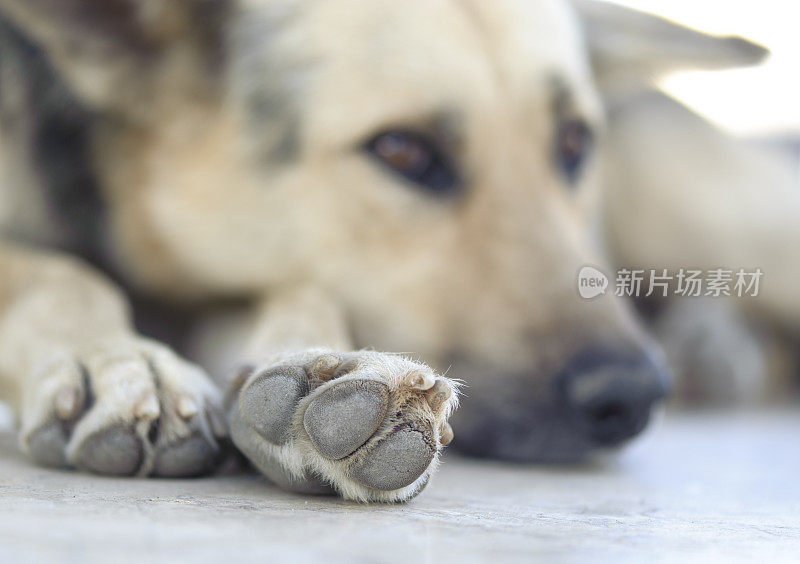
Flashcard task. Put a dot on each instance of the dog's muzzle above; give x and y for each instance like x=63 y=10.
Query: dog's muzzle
x=599 y=398
x=608 y=396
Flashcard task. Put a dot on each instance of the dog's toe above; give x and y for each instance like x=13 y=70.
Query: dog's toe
x=47 y=445
x=398 y=460
x=345 y=416
x=268 y=401
x=115 y=451
x=192 y=456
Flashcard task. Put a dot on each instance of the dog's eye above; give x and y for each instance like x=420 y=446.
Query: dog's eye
x=573 y=148
x=416 y=158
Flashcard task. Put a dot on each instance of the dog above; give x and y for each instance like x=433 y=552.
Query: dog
x=290 y=188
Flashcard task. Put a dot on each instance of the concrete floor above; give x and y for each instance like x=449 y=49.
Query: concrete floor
x=711 y=487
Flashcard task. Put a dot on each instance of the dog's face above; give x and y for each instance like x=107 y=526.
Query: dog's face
x=432 y=165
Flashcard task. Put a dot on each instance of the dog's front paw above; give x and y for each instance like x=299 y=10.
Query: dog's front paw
x=367 y=425
x=127 y=407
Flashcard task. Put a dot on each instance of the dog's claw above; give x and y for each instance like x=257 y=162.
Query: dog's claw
x=324 y=367
x=420 y=380
x=445 y=434
x=148 y=409
x=67 y=403
x=187 y=407
x=439 y=395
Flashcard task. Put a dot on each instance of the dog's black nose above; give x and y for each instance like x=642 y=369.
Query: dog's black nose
x=609 y=395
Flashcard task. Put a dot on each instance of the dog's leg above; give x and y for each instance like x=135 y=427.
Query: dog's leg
x=88 y=392
x=717 y=355
x=315 y=416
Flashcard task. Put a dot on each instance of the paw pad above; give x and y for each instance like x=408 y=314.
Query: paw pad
x=46 y=446
x=343 y=417
x=122 y=408
x=397 y=461
x=115 y=451
x=268 y=402
x=369 y=424
x=193 y=456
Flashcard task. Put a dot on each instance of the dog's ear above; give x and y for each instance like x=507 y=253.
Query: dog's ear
x=105 y=50
x=629 y=49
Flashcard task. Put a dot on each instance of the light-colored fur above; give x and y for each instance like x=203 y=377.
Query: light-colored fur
x=298 y=457
x=330 y=250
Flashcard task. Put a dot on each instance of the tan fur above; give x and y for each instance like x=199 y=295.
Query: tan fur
x=192 y=218
x=332 y=250
x=334 y=219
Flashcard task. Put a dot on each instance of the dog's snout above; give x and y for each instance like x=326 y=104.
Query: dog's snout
x=609 y=395
x=599 y=397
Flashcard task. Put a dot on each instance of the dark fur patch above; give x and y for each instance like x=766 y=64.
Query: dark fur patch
x=114 y=23
x=269 y=79
x=207 y=21
x=57 y=130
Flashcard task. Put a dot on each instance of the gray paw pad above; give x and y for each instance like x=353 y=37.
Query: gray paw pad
x=268 y=403
x=343 y=417
x=397 y=461
x=116 y=451
x=47 y=445
x=193 y=456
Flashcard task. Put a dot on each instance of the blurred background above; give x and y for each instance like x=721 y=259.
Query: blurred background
x=760 y=101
